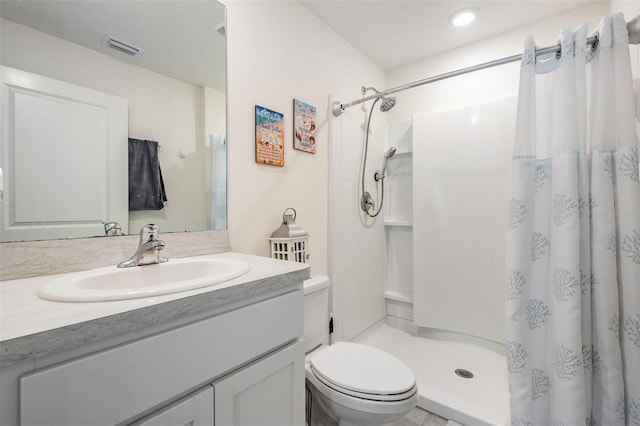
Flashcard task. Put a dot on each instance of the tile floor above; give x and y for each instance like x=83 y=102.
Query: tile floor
x=419 y=417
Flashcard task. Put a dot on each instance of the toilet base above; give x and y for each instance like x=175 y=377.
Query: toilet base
x=326 y=412
x=320 y=414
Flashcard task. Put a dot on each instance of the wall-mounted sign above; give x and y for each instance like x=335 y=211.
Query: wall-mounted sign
x=304 y=126
x=269 y=137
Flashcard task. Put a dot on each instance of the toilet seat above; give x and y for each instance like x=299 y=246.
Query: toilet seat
x=363 y=372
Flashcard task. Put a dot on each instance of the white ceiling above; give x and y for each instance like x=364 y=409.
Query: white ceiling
x=178 y=37
x=394 y=33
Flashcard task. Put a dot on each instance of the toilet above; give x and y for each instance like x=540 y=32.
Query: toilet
x=349 y=384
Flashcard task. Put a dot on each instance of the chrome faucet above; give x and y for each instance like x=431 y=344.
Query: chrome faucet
x=148 y=248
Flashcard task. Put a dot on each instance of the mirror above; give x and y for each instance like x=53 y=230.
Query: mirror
x=174 y=88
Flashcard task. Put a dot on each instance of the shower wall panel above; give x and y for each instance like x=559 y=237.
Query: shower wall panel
x=461 y=168
x=356 y=243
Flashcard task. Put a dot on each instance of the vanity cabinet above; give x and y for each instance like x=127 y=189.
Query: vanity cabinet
x=245 y=366
x=264 y=393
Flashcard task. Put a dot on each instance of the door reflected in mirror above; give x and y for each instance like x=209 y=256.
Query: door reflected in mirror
x=168 y=65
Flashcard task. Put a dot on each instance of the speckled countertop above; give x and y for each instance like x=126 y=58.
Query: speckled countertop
x=31 y=327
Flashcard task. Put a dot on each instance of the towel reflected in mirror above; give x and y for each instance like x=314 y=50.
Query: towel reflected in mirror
x=146 y=187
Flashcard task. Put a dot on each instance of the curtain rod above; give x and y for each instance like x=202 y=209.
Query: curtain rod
x=633 y=28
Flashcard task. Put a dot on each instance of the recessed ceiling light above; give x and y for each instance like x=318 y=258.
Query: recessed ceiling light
x=463 y=17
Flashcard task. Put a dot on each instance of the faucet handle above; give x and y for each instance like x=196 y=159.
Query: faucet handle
x=112 y=229
x=149 y=232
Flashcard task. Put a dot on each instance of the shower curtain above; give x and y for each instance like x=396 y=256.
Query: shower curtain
x=573 y=263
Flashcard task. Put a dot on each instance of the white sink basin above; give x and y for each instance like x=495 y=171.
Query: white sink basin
x=113 y=283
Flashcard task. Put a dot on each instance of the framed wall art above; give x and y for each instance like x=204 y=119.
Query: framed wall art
x=304 y=126
x=269 y=137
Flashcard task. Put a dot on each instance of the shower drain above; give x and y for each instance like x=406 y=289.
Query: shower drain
x=465 y=374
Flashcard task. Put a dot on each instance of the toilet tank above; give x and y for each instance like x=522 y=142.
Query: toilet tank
x=316 y=312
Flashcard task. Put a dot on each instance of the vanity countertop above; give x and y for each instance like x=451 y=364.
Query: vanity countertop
x=31 y=327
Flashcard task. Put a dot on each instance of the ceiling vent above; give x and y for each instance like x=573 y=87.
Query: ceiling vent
x=121 y=46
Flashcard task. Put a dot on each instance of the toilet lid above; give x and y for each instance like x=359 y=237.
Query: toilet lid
x=363 y=369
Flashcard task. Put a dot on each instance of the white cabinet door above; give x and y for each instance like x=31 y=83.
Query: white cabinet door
x=196 y=410
x=64 y=157
x=268 y=392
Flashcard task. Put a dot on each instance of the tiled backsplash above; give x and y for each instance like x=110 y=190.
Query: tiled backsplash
x=34 y=258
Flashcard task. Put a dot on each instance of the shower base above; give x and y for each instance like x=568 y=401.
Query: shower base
x=480 y=400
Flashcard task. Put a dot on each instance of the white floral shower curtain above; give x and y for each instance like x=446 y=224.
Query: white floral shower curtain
x=573 y=266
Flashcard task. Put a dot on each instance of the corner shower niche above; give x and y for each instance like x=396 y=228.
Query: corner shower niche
x=398 y=222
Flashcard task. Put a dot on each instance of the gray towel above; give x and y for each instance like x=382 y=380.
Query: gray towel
x=146 y=187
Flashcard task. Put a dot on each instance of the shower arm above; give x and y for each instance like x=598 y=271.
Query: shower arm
x=633 y=29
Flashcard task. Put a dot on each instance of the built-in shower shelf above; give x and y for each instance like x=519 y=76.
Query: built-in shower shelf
x=397 y=296
x=398 y=223
x=402 y=153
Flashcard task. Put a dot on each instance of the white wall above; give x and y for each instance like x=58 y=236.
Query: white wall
x=160 y=108
x=278 y=51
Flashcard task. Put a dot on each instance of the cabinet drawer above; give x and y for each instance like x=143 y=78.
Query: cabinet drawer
x=114 y=385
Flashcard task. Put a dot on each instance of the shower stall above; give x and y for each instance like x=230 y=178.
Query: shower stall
x=438 y=275
x=444 y=293
x=425 y=279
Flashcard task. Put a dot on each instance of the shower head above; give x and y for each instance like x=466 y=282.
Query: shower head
x=387 y=103
x=390 y=152
x=381 y=175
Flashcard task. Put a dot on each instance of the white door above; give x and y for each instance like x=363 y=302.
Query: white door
x=64 y=157
x=269 y=392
